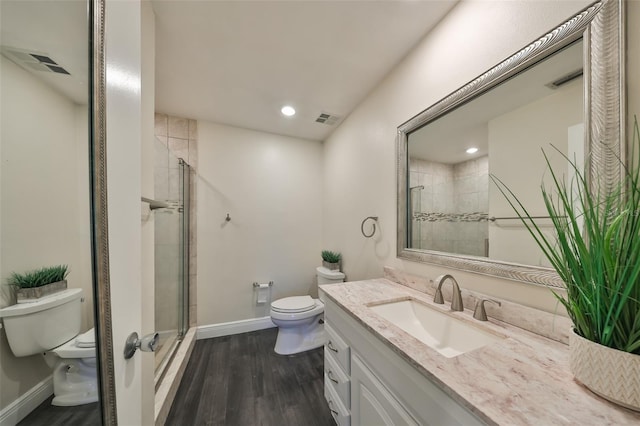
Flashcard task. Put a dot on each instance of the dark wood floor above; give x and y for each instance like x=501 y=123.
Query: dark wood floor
x=239 y=381
x=233 y=380
x=50 y=415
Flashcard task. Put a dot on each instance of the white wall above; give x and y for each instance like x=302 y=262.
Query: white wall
x=45 y=202
x=515 y=142
x=360 y=175
x=271 y=186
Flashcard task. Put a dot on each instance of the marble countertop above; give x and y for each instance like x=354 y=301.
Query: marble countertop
x=523 y=379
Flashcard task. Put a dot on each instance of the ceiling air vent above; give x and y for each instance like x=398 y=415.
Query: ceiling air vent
x=328 y=119
x=565 y=79
x=32 y=60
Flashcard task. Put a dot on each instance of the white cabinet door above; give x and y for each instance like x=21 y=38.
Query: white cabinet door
x=371 y=401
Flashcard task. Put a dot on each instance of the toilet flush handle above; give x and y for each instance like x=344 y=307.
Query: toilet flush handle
x=147 y=344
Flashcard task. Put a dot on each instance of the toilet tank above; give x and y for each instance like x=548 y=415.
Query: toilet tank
x=327 y=276
x=40 y=326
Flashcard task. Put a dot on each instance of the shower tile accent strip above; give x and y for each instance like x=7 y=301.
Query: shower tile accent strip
x=451 y=217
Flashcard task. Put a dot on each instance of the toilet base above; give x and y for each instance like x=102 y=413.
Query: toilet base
x=300 y=339
x=75 y=380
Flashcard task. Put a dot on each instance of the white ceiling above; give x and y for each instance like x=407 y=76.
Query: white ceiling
x=239 y=62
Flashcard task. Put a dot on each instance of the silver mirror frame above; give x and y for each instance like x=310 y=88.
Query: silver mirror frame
x=100 y=229
x=601 y=25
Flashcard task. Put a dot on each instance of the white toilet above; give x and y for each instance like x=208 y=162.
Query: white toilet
x=300 y=318
x=51 y=326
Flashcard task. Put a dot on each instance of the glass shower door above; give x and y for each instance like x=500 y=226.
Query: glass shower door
x=171 y=252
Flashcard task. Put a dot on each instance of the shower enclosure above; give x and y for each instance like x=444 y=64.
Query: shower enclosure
x=447 y=206
x=172 y=189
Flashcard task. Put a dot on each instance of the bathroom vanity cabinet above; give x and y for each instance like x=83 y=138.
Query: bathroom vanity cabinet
x=367 y=383
x=377 y=373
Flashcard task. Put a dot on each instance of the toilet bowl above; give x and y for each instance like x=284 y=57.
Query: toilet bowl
x=300 y=319
x=75 y=378
x=300 y=324
x=51 y=326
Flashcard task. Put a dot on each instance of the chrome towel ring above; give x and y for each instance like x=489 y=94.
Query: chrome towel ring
x=373 y=231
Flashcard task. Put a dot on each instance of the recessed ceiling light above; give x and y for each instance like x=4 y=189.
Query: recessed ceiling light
x=472 y=150
x=288 y=110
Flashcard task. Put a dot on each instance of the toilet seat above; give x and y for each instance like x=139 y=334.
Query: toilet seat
x=294 y=304
x=83 y=346
x=87 y=339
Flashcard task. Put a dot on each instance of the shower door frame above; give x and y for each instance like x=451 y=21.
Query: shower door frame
x=183 y=298
x=185 y=177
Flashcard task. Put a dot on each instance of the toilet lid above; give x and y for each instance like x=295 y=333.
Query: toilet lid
x=293 y=304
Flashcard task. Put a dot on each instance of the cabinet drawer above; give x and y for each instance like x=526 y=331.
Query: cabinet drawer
x=337 y=348
x=336 y=378
x=339 y=412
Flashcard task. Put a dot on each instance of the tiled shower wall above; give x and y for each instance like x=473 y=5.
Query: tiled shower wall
x=436 y=197
x=180 y=135
x=450 y=191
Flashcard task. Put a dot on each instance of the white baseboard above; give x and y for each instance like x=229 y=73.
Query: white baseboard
x=234 y=327
x=21 y=407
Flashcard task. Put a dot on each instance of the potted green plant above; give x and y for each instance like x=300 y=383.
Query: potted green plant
x=38 y=283
x=599 y=263
x=331 y=260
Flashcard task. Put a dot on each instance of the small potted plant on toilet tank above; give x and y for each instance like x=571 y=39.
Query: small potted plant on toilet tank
x=596 y=252
x=38 y=283
x=331 y=260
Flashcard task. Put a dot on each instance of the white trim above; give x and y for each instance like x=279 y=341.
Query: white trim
x=234 y=327
x=25 y=404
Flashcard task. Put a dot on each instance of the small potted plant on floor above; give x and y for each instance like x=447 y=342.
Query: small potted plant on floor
x=38 y=283
x=599 y=263
x=331 y=260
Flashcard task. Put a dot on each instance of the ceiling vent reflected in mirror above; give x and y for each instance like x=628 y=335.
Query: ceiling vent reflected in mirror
x=328 y=119
x=565 y=79
x=36 y=61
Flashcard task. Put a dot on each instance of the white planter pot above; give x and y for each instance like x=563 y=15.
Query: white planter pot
x=27 y=295
x=610 y=373
x=331 y=266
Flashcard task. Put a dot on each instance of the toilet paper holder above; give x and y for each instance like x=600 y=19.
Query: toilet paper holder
x=263 y=292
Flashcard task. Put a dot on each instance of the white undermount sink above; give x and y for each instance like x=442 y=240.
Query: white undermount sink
x=444 y=333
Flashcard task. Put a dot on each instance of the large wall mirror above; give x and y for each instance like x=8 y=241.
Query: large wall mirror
x=53 y=212
x=562 y=94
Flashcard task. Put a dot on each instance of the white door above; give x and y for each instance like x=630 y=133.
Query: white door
x=125 y=124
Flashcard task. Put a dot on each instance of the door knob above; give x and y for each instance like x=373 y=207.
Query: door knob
x=147 y=344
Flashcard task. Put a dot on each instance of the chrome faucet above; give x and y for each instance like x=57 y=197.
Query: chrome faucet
x=456 y=298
